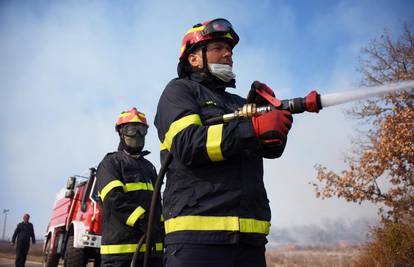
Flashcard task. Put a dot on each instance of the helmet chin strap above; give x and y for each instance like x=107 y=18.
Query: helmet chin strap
x=204 y=55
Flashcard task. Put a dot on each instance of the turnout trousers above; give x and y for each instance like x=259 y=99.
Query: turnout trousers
x=200 y=255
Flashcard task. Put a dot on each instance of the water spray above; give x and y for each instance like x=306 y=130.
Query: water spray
x=364 y=92
x=313 y=102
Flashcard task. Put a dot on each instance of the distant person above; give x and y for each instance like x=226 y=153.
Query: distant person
x=23 y=233
x=125 y=183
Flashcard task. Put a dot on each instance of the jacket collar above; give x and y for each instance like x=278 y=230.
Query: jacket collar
x=136 y=156
x=210 y=81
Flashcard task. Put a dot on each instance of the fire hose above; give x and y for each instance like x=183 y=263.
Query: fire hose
x=295 y=106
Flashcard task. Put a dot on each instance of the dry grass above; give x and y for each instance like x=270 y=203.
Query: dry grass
x=311 y=257
x=282 y=257
x=9 y=252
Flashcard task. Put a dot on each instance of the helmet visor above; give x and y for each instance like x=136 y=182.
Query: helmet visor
x=218 y=27
x=133 y=128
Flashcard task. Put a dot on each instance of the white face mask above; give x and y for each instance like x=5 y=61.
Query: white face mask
x=222 y=71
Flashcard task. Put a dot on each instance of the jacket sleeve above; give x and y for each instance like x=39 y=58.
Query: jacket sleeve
x=182 y=132
x=16 y=233
x=113 y=195
x=32 y=235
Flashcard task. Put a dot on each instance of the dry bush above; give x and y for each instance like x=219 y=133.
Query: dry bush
x=311 y=257
x=392 y=245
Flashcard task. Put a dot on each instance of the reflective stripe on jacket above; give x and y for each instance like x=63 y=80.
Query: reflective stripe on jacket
x=125 y=185
x=214 y=191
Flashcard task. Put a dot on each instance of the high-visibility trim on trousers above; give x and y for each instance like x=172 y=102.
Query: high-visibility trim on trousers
x=127 y=248
x=216 y=223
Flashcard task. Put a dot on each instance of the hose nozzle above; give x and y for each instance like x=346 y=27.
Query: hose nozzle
x=309 y=103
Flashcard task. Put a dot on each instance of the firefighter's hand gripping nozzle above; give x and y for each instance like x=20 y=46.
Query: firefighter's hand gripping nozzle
x=309 y=103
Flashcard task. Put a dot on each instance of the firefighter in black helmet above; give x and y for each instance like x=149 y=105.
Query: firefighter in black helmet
x=125 y=184
x=215 y=205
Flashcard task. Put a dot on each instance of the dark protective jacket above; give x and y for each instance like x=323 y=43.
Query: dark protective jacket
x=125 y=185
x=23 y=233
x=214 y=192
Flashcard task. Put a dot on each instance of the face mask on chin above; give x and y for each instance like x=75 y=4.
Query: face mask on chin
x=222 y=71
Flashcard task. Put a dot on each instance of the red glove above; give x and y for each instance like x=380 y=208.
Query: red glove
x=273 y=126
x=254 y=97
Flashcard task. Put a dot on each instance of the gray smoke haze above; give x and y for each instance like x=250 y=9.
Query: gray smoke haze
x=329 y=232
x=68 y=68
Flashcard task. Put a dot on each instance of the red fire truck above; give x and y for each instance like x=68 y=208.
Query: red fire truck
x=74 y=231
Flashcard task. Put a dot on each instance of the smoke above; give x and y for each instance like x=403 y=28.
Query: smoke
x=329 y=233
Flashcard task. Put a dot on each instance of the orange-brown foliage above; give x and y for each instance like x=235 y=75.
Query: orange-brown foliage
x=381 y=164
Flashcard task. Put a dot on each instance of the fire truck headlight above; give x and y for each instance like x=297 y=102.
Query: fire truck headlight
x=85 y=238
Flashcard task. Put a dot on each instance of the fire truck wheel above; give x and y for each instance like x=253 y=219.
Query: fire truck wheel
x=74 y=257
x=49 y=259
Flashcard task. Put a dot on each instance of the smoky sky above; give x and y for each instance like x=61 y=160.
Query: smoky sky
x=69 y=68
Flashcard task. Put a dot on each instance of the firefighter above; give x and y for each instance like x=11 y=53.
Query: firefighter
x=125 y=182
x=215 y=205
x=24 y=231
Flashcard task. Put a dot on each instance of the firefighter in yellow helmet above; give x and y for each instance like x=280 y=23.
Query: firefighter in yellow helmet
x=215 y=205
x=125 y=182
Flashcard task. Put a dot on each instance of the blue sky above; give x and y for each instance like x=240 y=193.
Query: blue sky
x=69 y=67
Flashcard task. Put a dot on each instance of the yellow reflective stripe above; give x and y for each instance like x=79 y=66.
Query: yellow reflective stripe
x=214 y=135
x=196 y=29
x=125 y=114
x=254 y=226
x=201 y=223
x=135 y=215
x=127 y=248
x=162 y=147
x=179 y=125
x=158 y=247
x=138 y=186
x=216 y=223
x=182 y=48
x=162 y=218
x=127 y=188
x=111 y=185
x=228 y=35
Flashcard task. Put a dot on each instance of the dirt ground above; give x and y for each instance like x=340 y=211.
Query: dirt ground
x=280 y=257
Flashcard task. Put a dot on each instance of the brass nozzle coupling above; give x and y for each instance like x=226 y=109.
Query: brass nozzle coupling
x=247 y=111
